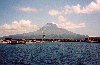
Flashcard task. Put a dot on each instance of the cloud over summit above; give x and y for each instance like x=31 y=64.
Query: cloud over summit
x=54 y=12
x=66 y=24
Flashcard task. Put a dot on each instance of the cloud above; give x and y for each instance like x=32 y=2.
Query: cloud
x=61 y=18
x=70 y=25
x=94 y=6
x=63 y=23
x=28 y=9
x=53 y=12
x=72 y=9
x=17 y=27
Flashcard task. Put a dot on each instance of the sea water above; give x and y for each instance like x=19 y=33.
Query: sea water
x=49 y=53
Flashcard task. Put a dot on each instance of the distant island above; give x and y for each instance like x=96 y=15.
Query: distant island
x=49 y=32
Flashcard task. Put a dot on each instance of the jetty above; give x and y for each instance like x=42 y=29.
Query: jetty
x=24 y=41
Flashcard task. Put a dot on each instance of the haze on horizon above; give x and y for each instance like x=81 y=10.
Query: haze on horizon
x=24 y=16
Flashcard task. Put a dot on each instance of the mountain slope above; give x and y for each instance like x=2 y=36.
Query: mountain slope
x=50 y=31
x=50 y=28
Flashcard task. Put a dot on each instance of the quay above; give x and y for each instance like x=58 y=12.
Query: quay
x=24 y=41
x=93 y=39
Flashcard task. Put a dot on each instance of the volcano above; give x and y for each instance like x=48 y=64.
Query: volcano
x=50 y=30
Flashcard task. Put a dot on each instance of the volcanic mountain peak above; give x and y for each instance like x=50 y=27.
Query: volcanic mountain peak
x=51 y=31
x=51 y=28
x=49 y=25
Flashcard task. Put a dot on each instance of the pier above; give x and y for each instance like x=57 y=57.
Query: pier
x=23 y=41
x=93 y=39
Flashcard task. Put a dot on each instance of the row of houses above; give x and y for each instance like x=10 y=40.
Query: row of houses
x=93 y=39
x=23 y=41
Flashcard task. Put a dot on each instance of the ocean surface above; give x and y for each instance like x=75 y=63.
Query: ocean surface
x=57 y=53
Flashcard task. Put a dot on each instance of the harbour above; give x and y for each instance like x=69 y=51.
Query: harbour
x=24 y=41
x=49 y=32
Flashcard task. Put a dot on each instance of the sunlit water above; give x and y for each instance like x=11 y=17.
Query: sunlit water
x=69 y=53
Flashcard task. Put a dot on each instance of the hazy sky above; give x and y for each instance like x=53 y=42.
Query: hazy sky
x=23 y=16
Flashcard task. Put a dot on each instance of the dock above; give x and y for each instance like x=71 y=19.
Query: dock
x=24 y=41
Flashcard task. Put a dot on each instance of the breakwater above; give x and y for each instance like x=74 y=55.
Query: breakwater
x=89 y=39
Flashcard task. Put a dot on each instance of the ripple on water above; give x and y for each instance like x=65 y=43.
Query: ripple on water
x=69 y=53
